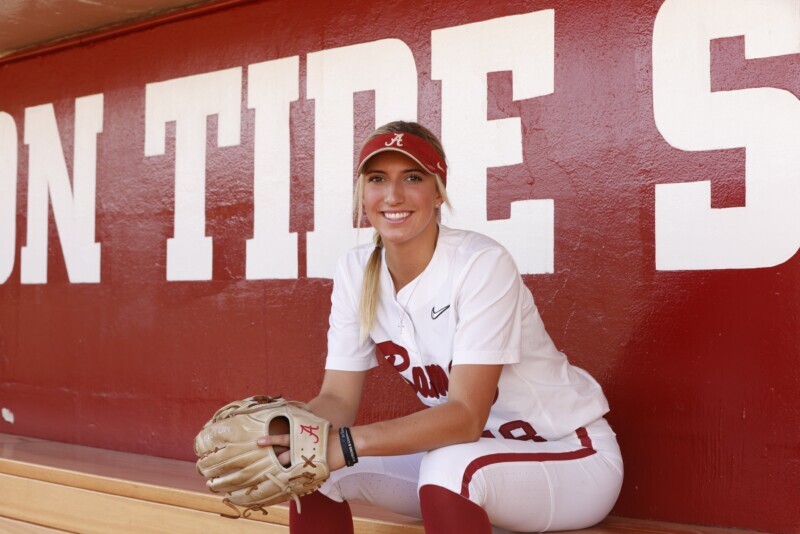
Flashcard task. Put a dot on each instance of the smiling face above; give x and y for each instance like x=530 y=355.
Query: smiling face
x=400 y=199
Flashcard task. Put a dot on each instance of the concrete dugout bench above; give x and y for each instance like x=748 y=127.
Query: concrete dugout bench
x=51 y=487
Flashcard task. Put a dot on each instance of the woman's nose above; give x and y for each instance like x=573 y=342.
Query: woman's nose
x=394 y=193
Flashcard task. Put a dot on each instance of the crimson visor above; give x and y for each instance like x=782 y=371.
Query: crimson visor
x=412 y=146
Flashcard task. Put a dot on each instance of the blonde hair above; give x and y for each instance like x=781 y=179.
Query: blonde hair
x=370 y=286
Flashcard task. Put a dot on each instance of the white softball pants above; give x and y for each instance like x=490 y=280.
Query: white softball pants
x=523 y=486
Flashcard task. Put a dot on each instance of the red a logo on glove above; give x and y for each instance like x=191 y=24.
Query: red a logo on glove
x=310 y=431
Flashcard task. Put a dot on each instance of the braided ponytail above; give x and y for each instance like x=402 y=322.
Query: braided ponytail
x=370 y=288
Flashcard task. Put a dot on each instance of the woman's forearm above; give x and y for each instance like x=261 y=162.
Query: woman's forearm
x=339 y=397
x=334 y=409
x=447 y=424
x=459 y=420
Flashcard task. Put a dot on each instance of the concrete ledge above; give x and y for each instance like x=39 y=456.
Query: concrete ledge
x=84 y=489
x=48 y=485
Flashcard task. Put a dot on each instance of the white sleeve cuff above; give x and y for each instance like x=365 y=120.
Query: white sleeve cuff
x=350 y=364
x=486 y=358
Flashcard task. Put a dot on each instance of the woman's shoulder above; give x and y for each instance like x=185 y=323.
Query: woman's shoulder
x=472 y=253
x=469 y=243
x=355 y=259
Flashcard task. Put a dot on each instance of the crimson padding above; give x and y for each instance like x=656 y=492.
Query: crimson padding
x=320 y=515
x=445 y=512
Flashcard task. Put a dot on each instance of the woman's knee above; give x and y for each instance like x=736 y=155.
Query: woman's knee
x=389 y=482
x=445 y=467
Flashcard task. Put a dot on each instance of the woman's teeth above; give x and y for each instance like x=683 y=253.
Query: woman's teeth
x=396 y=216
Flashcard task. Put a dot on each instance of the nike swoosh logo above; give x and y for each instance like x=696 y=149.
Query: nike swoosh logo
x=436 y=313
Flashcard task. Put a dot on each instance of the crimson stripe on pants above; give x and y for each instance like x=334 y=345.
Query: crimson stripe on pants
x=483 y=461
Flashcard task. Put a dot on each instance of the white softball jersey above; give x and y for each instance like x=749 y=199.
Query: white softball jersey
x=469 y=306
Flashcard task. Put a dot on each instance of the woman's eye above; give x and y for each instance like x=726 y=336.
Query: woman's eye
x=374 y=178
x=414 y=178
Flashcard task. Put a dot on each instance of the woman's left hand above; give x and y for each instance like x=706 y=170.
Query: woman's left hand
x=280 y=442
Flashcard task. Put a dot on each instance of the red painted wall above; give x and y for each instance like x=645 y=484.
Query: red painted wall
x=701 y=366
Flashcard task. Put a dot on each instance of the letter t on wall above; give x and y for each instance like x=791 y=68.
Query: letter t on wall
x=189 y=101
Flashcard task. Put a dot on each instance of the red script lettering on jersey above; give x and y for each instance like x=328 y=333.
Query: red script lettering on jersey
x=430 y=381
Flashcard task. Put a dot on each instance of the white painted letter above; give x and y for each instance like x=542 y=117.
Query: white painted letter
x=8 y=195
x=73 y=205
x=461 y=58
x=766 y=231
x=189 y=101
x=388 y=68
x=272 y=85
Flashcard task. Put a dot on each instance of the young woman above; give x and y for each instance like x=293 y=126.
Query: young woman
x=514 y=435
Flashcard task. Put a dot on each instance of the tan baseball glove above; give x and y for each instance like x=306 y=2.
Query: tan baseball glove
x=251 y=476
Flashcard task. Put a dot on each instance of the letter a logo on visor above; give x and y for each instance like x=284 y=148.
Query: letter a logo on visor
x=396 y=140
